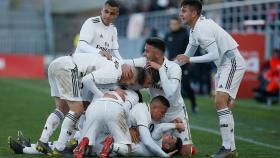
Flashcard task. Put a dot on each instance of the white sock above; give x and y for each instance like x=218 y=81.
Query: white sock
x=31 y=150
x=225 y=121
x=120 y=149
x=51 y=124
x=66 y=130
x=233 y=147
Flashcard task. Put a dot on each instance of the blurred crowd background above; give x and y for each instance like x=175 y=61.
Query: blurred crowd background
x=50 y=28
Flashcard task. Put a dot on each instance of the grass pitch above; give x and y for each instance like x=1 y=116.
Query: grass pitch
x=25 y=105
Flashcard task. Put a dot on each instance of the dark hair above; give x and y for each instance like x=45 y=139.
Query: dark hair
x=154 y=74
x=113 y=3
x=162 y=100
x=157 y=43
x=176 y=146
x=196 y=4
x=140 y=75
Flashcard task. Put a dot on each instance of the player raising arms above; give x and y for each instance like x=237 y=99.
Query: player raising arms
x=222 y=49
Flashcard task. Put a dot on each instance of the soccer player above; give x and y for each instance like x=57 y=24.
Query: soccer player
x=169 y=87
x=98 y=33
x=222 y=49
x=67 y=76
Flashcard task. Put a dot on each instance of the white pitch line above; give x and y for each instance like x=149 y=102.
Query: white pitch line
x=236 y=137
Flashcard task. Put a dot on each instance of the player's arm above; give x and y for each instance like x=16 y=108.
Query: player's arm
x=170 y=84
x=87 y=34
x=212 y=55
x=164 y=127
x=137 y=62
x=190 y=51
x=89 y=82
x=116 y=45
x=149 y=143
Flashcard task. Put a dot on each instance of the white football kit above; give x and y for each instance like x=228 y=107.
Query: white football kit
x=222 y=49
x=169 y=86
x=66 y=73
x=106 y=114
x=95 y=35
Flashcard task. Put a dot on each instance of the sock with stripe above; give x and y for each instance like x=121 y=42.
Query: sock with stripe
x=51 y=124
x=233 y=147
x=67 y=128
x=225 y=129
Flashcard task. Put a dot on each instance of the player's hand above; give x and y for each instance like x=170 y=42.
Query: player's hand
x=121 y=93
x=151 y=64
x=134 y=135
x=108 y=95
x=178 y=120
x=180 y=127
x=183 y=58
x=172 y=153
x=106 y=54
x=127 y=71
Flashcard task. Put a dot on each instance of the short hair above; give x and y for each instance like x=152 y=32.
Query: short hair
x=113 y=3
x=157 y=43
x=196 y=4
x=162 y=100
x=140 y=78
x=176 y=146
x=154 y=74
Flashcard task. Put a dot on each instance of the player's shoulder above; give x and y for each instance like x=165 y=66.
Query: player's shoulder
x=171 y=65
x=94 y=20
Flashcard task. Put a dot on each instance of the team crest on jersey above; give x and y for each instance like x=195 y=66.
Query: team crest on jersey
x=101 y=36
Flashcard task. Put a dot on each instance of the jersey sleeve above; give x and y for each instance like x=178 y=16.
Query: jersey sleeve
x=137 y=62
x=140 y=115
x=87 y=32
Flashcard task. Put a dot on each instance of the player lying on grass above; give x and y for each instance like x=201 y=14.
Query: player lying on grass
x=141 y=149
x=142 y=117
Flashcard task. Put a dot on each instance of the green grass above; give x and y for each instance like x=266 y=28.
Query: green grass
x=25 y=104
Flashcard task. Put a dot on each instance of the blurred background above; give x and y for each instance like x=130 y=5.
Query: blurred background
x=34 y=32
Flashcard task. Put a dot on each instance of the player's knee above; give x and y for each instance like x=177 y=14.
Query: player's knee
x=221 y=100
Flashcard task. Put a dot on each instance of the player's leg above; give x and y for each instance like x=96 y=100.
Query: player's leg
x=227 y=83
x=185 y=136
x=51 y=125
x=116 y=124
x=68 y=124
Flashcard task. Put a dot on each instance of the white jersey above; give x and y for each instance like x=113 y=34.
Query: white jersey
x=140 y=115
x=206 y=32
x=173 y=73
x=100 y=36
x=102 y=69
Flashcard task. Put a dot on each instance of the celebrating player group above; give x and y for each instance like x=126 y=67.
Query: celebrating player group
x=98 y=101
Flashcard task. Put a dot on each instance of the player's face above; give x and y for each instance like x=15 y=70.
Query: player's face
x=157 y=110
x=149 y=52
x=148 y=81
x=109 y=14
x=187 y=14
x=168 y=141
